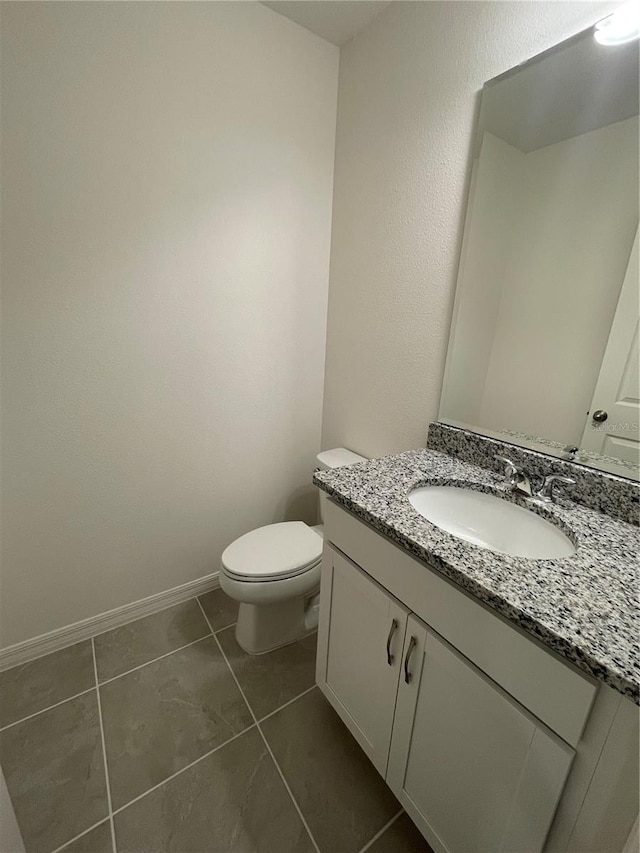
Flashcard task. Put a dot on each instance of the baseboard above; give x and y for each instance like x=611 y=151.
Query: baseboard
x=62 y=637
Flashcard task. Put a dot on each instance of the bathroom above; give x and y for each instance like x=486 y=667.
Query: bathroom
x=236 y=235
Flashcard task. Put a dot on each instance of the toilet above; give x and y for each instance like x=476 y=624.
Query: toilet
x=274 y=573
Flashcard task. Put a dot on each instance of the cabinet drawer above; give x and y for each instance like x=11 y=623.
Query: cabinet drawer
x=553 y=690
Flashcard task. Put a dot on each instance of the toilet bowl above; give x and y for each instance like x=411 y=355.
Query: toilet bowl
x=274 y=574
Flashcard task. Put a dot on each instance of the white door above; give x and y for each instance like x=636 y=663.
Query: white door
x=476 y=772
x=360 y=640
x=617 y=391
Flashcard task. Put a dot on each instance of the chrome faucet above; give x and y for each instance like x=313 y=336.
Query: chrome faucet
x=545 y=495
x=516 y=478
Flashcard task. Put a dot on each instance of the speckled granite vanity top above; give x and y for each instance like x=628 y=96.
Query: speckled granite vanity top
x=584 y=606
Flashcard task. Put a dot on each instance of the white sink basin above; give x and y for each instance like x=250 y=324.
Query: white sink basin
x=491 y=522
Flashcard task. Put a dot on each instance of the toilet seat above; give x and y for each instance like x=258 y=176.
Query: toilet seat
x=272 y=553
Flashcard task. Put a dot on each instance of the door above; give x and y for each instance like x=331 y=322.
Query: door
x=617 y=393
x=475 y=771
x=360 y=639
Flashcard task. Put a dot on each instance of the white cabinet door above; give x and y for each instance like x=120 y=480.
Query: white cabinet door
x=360 y=640
x=475 y=771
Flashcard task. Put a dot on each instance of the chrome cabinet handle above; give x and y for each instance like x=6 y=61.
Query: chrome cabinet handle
x=392 y=630
x=407 y=674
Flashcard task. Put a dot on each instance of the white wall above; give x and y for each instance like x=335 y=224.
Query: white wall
x=408 y=93
x=167 y=180
x=571 y=242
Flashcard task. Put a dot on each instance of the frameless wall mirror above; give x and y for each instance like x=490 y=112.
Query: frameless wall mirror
x=543 y=349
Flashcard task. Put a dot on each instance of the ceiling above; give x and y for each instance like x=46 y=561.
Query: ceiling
x=336 y=21
x=574 y=88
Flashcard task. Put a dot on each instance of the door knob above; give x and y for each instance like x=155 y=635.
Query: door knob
x=599 y=416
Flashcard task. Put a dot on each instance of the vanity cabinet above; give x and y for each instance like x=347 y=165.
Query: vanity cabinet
x=489 y=740
x=472 y=768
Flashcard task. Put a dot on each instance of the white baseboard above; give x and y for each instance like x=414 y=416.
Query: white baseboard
x=62 y=637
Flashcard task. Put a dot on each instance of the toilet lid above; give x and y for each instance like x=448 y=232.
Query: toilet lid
x=275 y=551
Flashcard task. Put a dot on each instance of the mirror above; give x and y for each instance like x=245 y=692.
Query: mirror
x=543 y=350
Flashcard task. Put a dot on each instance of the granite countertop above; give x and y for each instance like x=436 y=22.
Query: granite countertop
x=585 y=607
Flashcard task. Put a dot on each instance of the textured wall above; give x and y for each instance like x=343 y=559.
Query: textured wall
x=408 y=93
x=167 y=181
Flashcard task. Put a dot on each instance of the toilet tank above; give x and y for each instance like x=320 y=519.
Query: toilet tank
x=339 y=457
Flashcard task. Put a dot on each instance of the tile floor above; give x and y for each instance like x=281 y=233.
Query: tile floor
x=163 y=736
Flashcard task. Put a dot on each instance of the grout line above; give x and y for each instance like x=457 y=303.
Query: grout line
x=289 y=791
x=160 y=657
x=113 y=678
x=48 y=708
x=266 y=743
x=295 y=698
x=104 y=749
x=98 y=685
x=271 y=713
x=84 y=832
x=111 y=812
x=182 y=769
x=380 y=832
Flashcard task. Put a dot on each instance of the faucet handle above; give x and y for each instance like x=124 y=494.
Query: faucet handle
x=516 y=477
x=507 y=462
x=546 y=492
x=510 y=468
x=512 y=473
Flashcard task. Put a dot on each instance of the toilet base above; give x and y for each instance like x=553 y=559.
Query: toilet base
x=262 y=628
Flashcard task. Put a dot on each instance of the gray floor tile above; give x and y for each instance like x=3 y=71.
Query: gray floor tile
x=232 y=802
x=221 y=610
x=138 y=642
x=272 y=679
x=342 y=797
x=163 y=716
x=401 y=837
x=55 y=773
x=96 y=841
x=33 y=686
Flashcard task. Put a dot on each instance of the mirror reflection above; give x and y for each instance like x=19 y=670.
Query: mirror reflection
x=544 y=339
